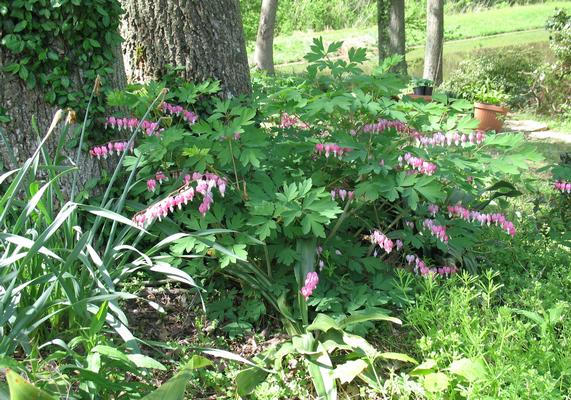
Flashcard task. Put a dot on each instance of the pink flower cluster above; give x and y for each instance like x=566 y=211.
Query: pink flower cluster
x=563 y=187
x=311 y=281
x=382 y=241
x=152 y=183
x=189 y=116
x=328 y=148
x=204 y=185
x=440 y=139
x=383 y=124
x=438 y=231
x=287 y=121
x=342 y=194
x=433 y=209
x=418 y=164
x=421 y=268
x=132 y=123
x=109 y=149
x=471 y=215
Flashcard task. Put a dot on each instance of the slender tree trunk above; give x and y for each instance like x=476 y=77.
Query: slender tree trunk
x=434 y=40
x=204 y=37
x=264 y=53
x=382 y=29
x=397 y=38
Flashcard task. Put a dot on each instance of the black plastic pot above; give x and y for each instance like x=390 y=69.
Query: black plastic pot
x=419 y=90
x=428 y=90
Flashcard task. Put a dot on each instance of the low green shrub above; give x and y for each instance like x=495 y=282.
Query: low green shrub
x=509 y=72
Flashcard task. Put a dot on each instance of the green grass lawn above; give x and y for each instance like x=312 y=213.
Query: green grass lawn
x=292 y=48
x=454 y=51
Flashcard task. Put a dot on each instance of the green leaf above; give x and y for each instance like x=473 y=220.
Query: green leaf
x=142 y=361
x=350 y=370
x=358 y=342
x=398 y=356
x=321 y=371
x=23 y=73
x=323 y=323
x=20 y=389
x=98 y=320
x=248 y=379
x=197 y=362
x=287 y=256
x=112 y=353
x=173 y=389
x=20 y=26
x=431 y=189
x=232 y=356
x=304 y=344
x=425 y=368
x=13 y=43
x=369 y=314
x=435 y=382
x=471 y=369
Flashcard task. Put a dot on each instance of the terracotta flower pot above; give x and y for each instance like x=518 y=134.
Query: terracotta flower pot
x=487 y=114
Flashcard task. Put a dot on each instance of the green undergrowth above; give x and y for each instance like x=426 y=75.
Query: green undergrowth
x=511 y=322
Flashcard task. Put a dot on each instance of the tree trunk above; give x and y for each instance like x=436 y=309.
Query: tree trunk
x=382 y=29
x=204 y=37
x=397 y=38
x=434 y=40
x=23 y=104
x=264 y=53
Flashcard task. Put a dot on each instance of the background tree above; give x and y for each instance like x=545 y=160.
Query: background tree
x=382 y=29
x=264 y=53
x=397 y=38
x=204 y=38
x=434 y=40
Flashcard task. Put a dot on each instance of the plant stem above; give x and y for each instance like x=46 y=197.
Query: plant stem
x=234 y=165
x=268 y=265
x=339 y=221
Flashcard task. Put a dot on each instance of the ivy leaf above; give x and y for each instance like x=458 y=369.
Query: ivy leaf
x=20 y=26
x=13 y=43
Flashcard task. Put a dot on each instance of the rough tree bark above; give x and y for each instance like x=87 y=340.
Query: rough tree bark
x=397 y=38
x=434 y=40
x=205 y=37
x=264 y=53
x=22 y=104
x=382 y=29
